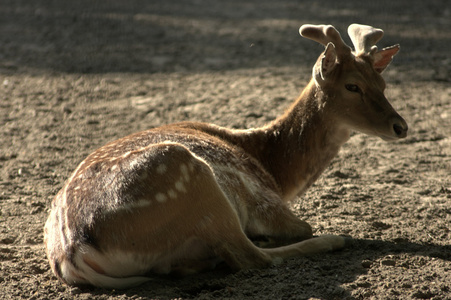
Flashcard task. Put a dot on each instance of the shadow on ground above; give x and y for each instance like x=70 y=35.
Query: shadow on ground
x=363 y=254
x=194 y=36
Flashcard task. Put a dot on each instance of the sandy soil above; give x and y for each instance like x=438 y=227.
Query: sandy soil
x=74 y=76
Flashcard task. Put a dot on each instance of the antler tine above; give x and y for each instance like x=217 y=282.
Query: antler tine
x=324 y=34
x=364 y=38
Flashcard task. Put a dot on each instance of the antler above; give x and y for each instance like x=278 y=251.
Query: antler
x=325 y=34
x=364 y=38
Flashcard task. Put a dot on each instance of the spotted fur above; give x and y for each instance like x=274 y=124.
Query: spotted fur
x=182 y=197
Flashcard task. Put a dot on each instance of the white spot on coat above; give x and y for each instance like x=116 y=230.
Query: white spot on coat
x=136 y=204
x=172 y=194
x=160 y=197
x=179 y=186
x=161 y=169
x=184 y=170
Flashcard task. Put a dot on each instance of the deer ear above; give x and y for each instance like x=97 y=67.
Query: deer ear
x=384 y=57
x=326 y=64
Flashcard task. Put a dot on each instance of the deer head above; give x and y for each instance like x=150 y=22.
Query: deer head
x=351 y=80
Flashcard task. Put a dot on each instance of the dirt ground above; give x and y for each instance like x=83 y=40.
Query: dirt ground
x=75 y=75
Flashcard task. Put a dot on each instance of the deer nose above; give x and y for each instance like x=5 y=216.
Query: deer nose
x=400 y=127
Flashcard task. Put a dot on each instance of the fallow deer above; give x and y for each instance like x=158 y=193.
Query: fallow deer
x=182 y=197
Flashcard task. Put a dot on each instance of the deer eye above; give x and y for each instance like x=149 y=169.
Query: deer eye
x=352 y=88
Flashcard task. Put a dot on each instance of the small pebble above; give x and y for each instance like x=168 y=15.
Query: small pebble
x=388 y=262
x=366 y=264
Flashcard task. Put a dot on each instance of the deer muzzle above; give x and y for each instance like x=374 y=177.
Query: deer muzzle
x=399 y=127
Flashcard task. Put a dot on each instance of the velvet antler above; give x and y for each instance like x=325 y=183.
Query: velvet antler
x=364 y=38
x=325 y=34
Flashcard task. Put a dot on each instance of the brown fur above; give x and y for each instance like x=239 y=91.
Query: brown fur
x=181 y=197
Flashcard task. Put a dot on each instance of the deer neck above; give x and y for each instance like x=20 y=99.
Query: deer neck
x=296 y=147
x=301 y=143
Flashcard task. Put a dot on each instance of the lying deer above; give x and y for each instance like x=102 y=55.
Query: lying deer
x=182 y=197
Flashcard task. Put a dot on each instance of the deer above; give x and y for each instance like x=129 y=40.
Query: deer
x=184 y=197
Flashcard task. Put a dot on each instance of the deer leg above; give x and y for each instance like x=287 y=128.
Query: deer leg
x=239 y=252
x=311 y=246
x=278 y=226
x=222 y=231
x=189 y=267
x=219 y=225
